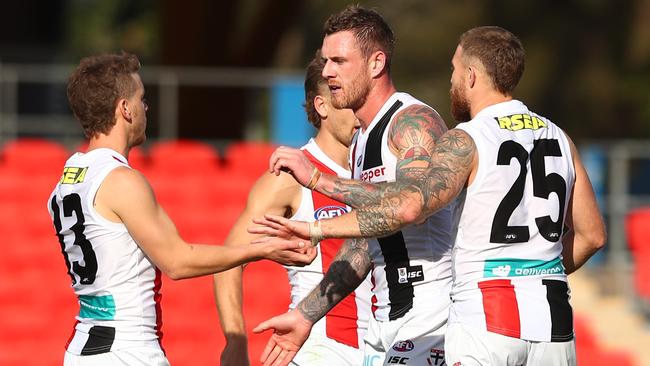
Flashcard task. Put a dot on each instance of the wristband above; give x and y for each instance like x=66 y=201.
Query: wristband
x=315 y=176
x=315 y=233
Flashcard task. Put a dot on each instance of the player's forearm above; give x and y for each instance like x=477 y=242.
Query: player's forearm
x=396 y=210
x=348 y=269
x=351 y=192
x=577 y=249
x=228 y=297
x=194 y=260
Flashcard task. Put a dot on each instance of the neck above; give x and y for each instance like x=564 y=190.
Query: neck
x=109 y=142
x=333 y=148
x=487 y=100
x=379 y=93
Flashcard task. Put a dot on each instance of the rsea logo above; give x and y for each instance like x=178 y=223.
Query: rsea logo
x=73 y=175
x=516 y=122
x=403 y=346
x=327 y=212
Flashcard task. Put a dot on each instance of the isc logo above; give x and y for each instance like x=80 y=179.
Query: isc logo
x=327 y=212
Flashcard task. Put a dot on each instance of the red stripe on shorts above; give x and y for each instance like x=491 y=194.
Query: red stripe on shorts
x=500 y=307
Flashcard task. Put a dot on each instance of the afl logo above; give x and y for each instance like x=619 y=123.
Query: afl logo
x=403 y=346
x=327 y=212
x=359 y=160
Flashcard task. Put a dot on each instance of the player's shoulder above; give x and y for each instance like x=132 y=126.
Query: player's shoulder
x=125 y=178
x=418 y=117
x=269 y=183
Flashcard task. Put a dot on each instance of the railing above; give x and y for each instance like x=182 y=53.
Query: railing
x=168 y=80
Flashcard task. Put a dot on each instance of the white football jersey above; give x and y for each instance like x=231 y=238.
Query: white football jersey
x=509 y=277
x=347 y=322
x=412 y=268
x=117 y=286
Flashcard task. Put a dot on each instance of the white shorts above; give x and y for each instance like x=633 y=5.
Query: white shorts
x=471 y=347
x=417 y=338
x=133 y=356
x=322 y=351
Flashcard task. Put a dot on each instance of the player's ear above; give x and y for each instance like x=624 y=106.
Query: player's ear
x=321 y=106
x=123 y=109
x=377 y=63
x=471 y=76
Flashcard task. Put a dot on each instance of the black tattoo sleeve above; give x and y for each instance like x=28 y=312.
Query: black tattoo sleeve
x=347 y=271
x=409 y=200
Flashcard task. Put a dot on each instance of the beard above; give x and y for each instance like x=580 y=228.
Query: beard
x=355 y=96
x=460 y=109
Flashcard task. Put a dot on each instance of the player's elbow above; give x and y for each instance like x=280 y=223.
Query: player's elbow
x=410 y=213
x=598 y=239
x=174 y=269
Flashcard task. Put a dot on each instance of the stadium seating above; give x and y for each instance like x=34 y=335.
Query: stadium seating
x=248 y=158
x=33 y=156
x=182 y=157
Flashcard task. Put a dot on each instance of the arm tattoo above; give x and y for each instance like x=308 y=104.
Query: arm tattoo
x=413 y=134
x=347 y=271
x=444 y=178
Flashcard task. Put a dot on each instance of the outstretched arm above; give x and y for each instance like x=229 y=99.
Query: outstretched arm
x=128 y=197
x=347 y=271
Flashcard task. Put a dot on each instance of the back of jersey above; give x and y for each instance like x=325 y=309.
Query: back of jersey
x=509 y=276
x=116 y=284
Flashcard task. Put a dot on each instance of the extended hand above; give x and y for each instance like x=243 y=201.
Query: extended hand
x=287 y=252
x=292 y=160
x=290 y=331
x=281 y=227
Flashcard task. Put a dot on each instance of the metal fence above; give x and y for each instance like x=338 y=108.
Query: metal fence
x=59 y=123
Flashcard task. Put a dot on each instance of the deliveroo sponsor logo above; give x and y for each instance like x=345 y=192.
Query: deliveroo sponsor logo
x=521 y=267
x=97 y=307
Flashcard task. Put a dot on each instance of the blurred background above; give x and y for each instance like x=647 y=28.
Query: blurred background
x=224 y=86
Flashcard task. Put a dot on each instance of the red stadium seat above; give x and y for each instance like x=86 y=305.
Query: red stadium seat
x=249 y=158
x=33 y=156
x=638 y=238
x=182 y=157
x=33 y=152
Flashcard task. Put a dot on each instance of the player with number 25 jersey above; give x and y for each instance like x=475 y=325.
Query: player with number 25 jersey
x=509 y=274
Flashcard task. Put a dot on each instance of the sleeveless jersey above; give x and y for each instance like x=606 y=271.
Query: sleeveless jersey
x=412 y=268
x=117 y=286
x=347 y=322
x=509 y=277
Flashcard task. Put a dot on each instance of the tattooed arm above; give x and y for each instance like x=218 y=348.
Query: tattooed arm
x=403 y=202
x=412 y=137
x=407 y=201
x=291 y=329
x=347 y=271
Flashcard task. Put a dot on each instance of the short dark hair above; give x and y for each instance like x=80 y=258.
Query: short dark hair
x=314 y=84
x=500 y=52
x=95 y=87
x=369 y=28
